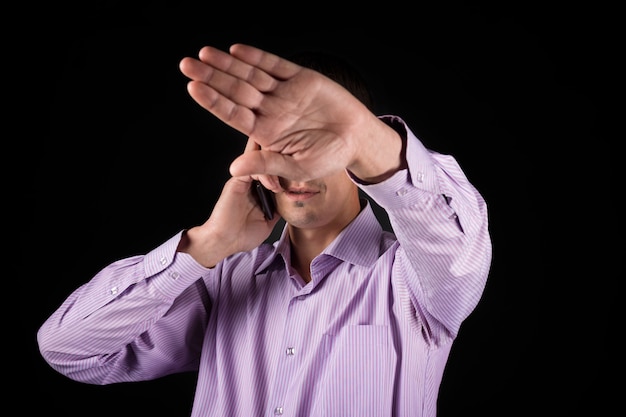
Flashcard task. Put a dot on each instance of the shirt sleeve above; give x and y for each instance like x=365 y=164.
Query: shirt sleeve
x=137 y=319
x=441 y=222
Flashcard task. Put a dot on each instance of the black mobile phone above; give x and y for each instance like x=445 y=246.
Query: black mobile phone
x=266 y=199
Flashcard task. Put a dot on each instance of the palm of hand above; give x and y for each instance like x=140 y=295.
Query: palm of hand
x=301 y=119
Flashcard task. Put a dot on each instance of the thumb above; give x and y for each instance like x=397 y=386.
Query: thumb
x=266 y=163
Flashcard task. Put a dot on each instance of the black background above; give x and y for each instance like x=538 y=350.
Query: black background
x=116 y=158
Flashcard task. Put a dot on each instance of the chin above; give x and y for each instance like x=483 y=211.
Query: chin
x=302 y=219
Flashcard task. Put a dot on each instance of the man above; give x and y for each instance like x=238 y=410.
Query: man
x=338 y=317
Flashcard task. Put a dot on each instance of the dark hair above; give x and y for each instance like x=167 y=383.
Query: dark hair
x=338 y=70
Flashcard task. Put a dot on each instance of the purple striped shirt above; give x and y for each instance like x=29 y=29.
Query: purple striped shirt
x=369 y=335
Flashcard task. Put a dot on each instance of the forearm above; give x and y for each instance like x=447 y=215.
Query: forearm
x=115 y=318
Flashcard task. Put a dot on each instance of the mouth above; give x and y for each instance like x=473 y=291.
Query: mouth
x=300 y=194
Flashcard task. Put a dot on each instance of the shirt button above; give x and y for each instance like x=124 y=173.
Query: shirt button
x=419 y=177
x=401 y=192
x=113 y=291
x=174 y=275
x=290 y=351
x=278 y=411
x=163 y=260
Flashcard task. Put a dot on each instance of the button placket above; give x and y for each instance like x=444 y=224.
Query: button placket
x=286 y=367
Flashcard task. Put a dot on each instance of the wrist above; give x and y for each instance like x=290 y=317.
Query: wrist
x=198 y=243
x=382 y=153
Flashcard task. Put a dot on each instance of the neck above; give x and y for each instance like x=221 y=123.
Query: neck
x=305 y=246
x=309 y=242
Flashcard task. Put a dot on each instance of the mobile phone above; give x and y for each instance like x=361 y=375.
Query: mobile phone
x=266 y=199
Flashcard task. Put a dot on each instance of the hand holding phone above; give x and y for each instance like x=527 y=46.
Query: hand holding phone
x=266 y=199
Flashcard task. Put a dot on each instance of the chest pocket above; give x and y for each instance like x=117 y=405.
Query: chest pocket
x=359 y=378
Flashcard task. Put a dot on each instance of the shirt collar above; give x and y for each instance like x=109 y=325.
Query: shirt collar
x=354 y=243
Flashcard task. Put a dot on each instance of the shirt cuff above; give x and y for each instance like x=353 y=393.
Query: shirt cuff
x=171 y=271
x=407 y=186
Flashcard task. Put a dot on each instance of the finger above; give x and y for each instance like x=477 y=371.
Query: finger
x=229 y=64
x=228 y=84
x=269 y=181
x=235 y=115
x=271 y=64
x=251 y=145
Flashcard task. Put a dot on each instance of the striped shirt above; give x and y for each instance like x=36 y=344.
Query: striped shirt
x=369 y=335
